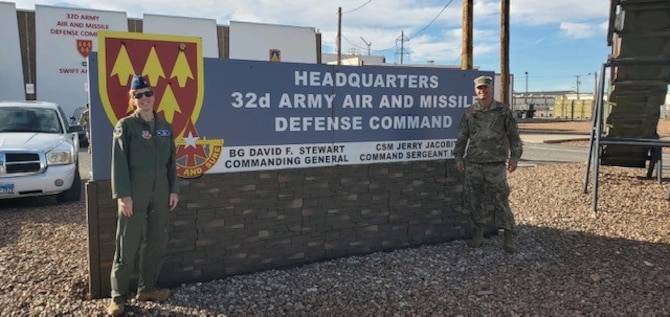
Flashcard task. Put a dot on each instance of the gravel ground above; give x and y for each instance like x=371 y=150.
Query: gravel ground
x=569 y=263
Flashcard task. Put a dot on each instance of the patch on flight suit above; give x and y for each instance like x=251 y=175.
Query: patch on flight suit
x=118 y=130
x=163 y=133
x=146 y=134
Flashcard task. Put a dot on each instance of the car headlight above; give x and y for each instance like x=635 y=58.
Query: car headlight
x=59 y=157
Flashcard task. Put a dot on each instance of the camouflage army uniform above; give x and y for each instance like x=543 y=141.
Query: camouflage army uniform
x=143 y=168
x=491 y=136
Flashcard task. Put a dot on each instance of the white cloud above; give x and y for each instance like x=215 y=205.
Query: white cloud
x=445 y=49
x=579 y=30
x=542 y=12
x=382 y=21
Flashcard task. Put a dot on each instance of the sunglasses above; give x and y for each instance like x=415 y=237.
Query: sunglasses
x=138 y=95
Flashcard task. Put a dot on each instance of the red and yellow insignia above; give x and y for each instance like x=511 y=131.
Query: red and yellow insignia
x=174 y=68
x=275 y=55
x=84 y=47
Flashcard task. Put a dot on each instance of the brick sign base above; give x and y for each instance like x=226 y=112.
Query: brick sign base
x=238 y=223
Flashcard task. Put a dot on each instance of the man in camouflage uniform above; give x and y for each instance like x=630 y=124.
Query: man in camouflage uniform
x=490 y=132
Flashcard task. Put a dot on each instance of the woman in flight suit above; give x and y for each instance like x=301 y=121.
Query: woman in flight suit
x=144 y=183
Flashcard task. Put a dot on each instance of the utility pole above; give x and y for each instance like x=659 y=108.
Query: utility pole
x=466 y=50
x=402 y=40
x=504 y=52
x=368 y=44
x=339 y=36
x=595 y=84
x=402 y=45
x=578 y=83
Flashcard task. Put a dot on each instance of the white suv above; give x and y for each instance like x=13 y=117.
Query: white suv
x=38 y=152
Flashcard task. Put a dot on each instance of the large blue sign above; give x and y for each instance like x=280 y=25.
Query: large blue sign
x=262 y=115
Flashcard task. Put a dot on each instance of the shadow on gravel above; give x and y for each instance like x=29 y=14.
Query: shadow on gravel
x=19 y=203
x=38 y=201
x=15 y=213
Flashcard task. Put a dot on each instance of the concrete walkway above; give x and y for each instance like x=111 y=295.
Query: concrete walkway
x=552 y=137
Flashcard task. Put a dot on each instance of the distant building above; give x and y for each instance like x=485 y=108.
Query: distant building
x=561 y=104
x=353 y=59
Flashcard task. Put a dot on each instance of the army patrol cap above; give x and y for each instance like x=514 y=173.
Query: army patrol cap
x=483 y=81
x=138 y=82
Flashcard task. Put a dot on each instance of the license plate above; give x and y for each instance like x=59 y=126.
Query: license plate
x=6 y=189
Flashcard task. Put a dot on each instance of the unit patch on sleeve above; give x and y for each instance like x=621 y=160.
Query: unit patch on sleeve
x=118 y=130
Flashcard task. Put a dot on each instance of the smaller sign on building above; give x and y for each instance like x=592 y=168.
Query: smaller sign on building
x=275 y=55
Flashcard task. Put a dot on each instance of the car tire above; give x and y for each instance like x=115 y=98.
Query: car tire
x=74 y=193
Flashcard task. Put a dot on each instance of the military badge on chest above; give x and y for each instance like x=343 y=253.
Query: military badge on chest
x=146 y=134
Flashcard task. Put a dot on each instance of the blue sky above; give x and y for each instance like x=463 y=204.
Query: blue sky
x=554 y=41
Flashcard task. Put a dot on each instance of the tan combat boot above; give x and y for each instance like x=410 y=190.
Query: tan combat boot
x=508 y=244
x=156 y=295
x=478 y=238
x=115 y=309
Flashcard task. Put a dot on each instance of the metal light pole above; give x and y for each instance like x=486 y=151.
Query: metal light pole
x=368 y=44
x=525 y=96
x=526 y=73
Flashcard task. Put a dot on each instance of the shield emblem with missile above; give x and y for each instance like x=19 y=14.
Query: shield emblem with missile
x=173 y=67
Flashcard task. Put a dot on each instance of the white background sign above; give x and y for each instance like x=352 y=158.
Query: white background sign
x=254 y=158
x=61 y=67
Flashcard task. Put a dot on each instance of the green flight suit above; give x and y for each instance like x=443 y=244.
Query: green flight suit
x=492 y=137
x=144 y=168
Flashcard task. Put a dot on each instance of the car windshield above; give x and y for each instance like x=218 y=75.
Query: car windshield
x=26 y=119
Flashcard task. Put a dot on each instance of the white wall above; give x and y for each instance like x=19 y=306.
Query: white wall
x=253 y=41
x=173 y=25
x=11 y=75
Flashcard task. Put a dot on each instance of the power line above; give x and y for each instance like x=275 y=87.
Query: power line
x=352 y=44
x=364 y=4
x=431 y=22
x=422 y=29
